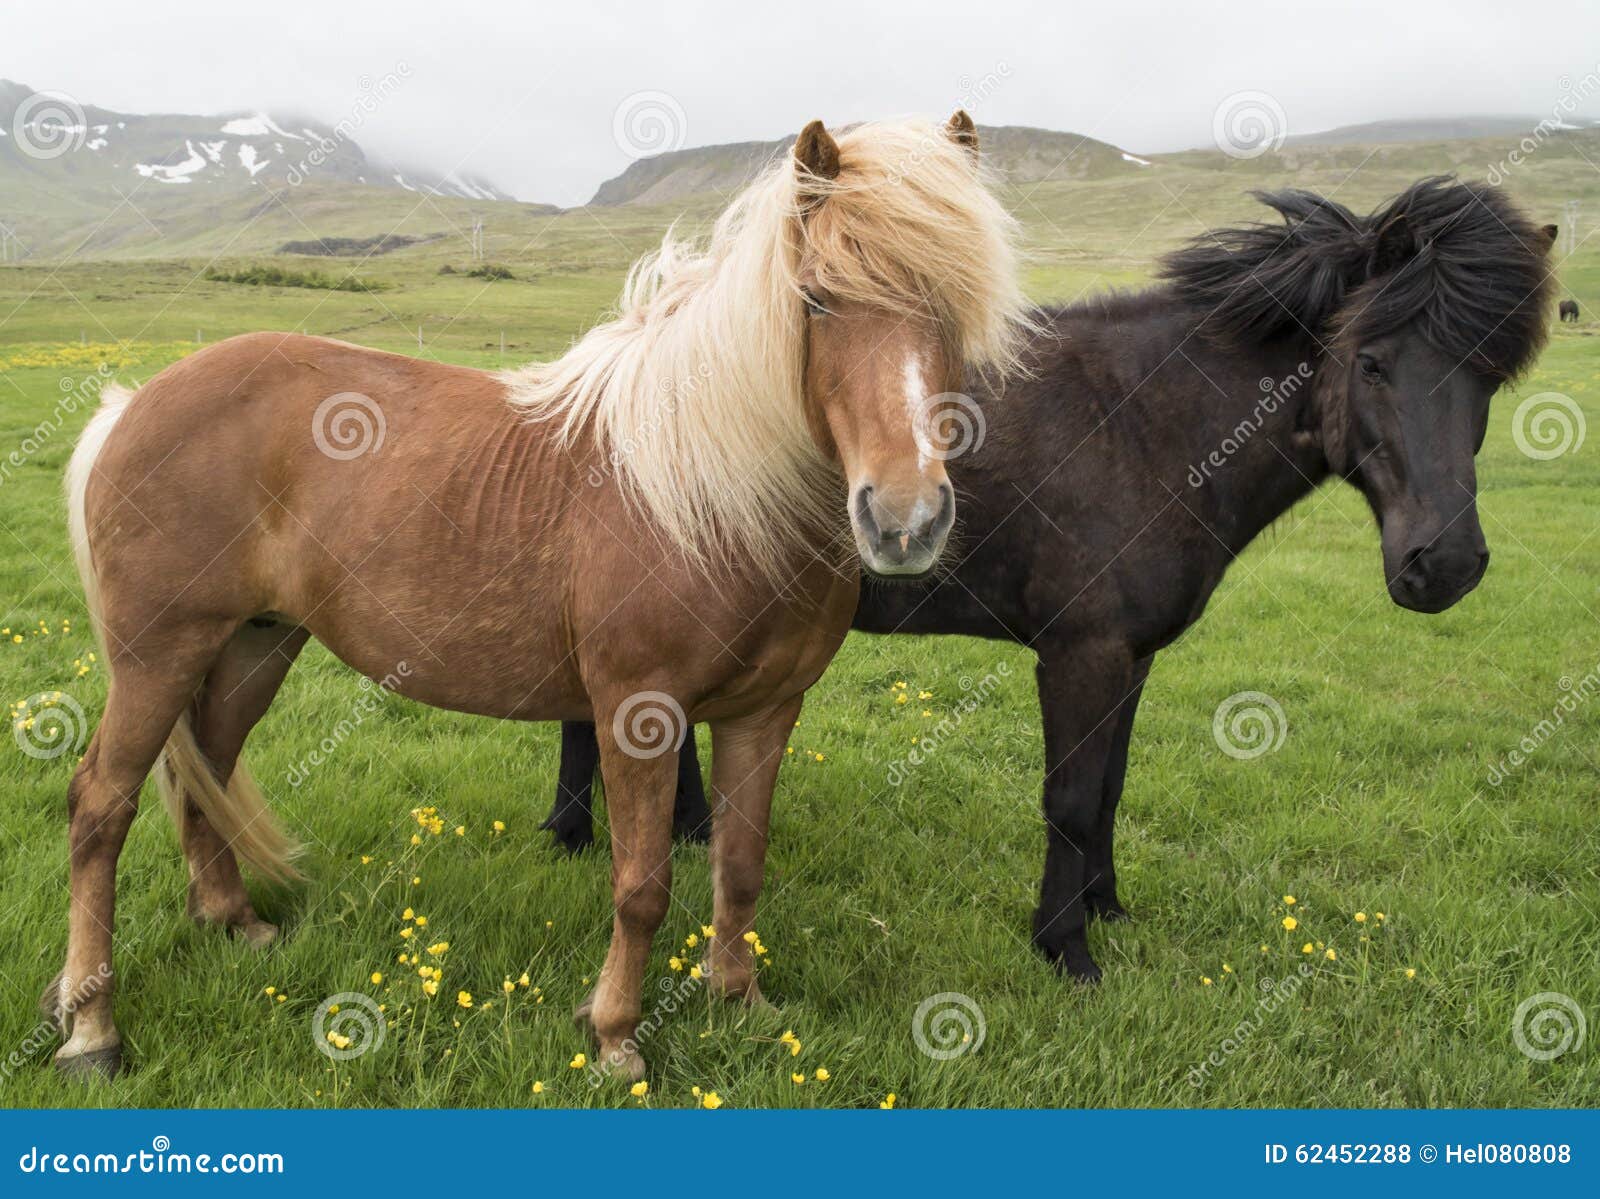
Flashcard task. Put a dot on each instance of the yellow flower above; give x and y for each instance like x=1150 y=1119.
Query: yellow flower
x=281 y=998
x=422 y=922
x=402 y=959
x=376 y=978
x=1264 y=949
x=508 y=986
x=405 y=933
x=1204 y=981
x=1410 y=972
x=439 y=948
x=1227 y=969
x=538 y=1088
x=408 y=914
x=639 y=1090
x=1361 y=917
x=822 y=1074
x=416 y=840
x=1306 y=948
x=888 y=1101
x=499 y=826
x=1379 y=915
x=1330 y=955
x=750 y=937
x=675 y=963
x=1290 y=923
x=523 y=980
x=578 y=1062
x=337 y=1040
x=430 y=988
x=819 y=757
x=708 y=930
x=416 y=880
x=461 y=830
x=711 y=1101
x=792 y=1041
x=1289 y=900
x=691 y=940
x=269 y=990
x=366 y=860
x=797 y=1079
x=924 y=695
x=901 y=698
x=696 y=973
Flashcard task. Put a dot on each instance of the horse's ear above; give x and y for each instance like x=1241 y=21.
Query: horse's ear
x=816 y=153
x=1549 y=232
x=1394 y=245
x=961 y=130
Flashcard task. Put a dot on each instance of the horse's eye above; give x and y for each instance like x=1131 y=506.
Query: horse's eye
x=1370 y=370
x=813 y=305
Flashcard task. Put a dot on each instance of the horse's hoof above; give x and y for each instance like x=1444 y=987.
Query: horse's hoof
x=623 y=1063
x=258 y=934
x=572 y=838
x=1109 y=910
x=104 y=1064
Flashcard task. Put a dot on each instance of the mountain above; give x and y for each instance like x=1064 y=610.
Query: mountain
x=1433 y=129
x=1020 y=154
x=61 y=144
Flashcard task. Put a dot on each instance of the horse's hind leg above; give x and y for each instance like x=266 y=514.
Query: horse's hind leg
x=1101 y=869
x=745 y=755
x=143 y=703
x=571 y=818
x=238 y=689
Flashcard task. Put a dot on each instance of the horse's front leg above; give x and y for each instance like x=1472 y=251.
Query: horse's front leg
x=1080 y=692
x=639 y=785
x=745 y=755
x=1101 y=879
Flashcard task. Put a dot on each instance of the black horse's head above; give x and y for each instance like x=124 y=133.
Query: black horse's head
x=1417 y=314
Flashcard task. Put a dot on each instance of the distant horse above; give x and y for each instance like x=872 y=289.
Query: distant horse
x=1569 y=310
x=646 y=532
x=1157 y=434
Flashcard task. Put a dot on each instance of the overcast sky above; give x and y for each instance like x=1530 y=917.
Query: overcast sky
x=528 y=94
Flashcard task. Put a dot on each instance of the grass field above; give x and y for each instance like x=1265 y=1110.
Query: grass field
x=879 y=896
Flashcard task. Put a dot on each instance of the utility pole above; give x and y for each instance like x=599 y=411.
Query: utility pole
x=477 y=238
x=1572 y=227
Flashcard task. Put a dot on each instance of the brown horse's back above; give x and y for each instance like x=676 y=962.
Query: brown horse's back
x=263 y=475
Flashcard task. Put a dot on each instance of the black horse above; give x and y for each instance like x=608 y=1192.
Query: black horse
x=1569 y=310
x=1156 y=434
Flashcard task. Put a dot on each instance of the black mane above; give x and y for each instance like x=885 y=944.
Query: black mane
x=1459 y=260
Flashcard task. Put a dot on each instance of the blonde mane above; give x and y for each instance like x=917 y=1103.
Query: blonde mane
x=694 y=391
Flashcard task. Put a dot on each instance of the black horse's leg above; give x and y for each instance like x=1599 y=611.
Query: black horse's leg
x=691 y=817
x=1080 y=692
x=1102 y=871
x=571 y=818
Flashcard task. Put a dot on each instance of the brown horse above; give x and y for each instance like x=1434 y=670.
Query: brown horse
x=646 y=532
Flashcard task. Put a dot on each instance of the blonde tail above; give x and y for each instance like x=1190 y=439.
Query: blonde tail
x=237 y=812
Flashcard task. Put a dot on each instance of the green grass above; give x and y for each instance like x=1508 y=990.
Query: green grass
x=878 y=895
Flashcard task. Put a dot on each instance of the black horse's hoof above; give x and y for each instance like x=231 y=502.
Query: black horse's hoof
x=698 y=832
x=574 y=838
x=1070 y=957
x=1108 y=910
x=104 y=1064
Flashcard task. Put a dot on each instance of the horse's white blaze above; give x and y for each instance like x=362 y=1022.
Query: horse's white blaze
x=916 y=396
